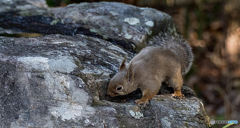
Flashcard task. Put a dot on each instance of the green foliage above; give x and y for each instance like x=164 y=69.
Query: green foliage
x=226 y=126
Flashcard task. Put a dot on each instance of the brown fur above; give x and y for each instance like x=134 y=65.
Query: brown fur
x=147 y=70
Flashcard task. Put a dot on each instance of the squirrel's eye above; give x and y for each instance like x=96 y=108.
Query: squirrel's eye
x=119 y=88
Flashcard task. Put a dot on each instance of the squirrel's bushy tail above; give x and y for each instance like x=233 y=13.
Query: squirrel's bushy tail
x=178 y=46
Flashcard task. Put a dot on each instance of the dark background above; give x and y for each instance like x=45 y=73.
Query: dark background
x=212 y=29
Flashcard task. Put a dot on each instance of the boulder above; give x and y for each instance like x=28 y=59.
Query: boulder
x=61 y=78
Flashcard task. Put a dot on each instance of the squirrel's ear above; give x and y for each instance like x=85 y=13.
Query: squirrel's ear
x=130 y=74
x=123 y=64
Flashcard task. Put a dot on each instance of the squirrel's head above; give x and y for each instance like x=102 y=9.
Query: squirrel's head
x=121 y=83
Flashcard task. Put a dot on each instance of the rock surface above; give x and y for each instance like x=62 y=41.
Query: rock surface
x=61 y=80
x=122 y=24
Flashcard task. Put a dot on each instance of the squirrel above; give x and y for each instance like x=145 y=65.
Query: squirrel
x=165 y=61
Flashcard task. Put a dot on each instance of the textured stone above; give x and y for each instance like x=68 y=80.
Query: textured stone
x=48 y=80
x=61 y=80
x=122 y=24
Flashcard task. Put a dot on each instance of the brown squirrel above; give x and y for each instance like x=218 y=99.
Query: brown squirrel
x=153 y=65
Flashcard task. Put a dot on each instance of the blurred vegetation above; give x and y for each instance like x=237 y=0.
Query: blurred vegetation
x=21 y=35
x=212 y=29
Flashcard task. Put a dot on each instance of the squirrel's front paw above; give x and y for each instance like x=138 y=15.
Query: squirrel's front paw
x=139 y=101
x=178 y=96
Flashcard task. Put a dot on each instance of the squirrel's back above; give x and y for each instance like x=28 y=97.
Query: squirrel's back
x=178 y=46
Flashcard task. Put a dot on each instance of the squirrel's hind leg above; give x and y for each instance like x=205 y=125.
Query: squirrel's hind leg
x=176 y=83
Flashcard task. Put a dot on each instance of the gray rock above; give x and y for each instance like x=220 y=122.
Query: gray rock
x=50 y=81
x=61 y=81
x=122 y=24
x=116 y=21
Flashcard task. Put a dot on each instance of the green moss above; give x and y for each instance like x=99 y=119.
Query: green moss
x=54 y=22
x=95 y=31
x=99 y=33
x=105 y=37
